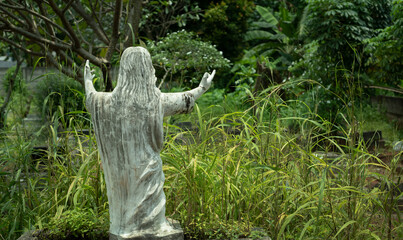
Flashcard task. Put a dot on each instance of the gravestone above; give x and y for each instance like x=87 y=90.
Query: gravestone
x=128 y=125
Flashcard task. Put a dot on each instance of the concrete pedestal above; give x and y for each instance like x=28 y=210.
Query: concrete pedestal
x=175 y=234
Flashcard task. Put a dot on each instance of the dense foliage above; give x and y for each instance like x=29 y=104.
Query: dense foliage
x=338 y=29
x=161 y=17
x=386 y=61
x=225 y=23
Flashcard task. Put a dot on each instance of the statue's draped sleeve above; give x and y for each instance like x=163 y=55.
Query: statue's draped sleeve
x=177 y=103
x=129 y=139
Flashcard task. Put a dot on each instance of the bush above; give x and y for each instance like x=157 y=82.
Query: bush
x=58 y=92
x=186 y=57
x=79 y=224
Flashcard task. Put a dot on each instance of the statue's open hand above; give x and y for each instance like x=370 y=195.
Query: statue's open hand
x=206 y=80
x=88 y=73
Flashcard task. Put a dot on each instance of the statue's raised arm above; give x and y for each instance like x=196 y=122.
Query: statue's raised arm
x=183 y=102
x=88 y=77
x=128 y=124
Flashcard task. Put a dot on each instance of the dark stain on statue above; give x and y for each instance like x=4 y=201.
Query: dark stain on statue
x=187 y=98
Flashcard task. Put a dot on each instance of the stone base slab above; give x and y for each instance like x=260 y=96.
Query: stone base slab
x=175 y=234
x=170 y=236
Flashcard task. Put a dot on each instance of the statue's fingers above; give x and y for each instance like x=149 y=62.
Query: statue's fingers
x=212 y=74
x=205 y=76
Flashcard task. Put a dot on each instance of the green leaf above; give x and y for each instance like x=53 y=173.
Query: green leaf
x=257 y=34
x=267 y=15
x=263 y=24
x=344 y=226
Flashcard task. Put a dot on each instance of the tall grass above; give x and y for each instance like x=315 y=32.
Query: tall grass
x=225 y=185
x=239 y=172
x=67 y=177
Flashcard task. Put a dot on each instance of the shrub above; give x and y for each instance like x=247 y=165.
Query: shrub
x=79 y=224
x=186 y=57
x=58 y=92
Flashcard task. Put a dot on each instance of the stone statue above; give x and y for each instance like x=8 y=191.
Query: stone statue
x=128 y=126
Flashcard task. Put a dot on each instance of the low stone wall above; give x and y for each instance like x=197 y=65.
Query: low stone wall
x=393 y=107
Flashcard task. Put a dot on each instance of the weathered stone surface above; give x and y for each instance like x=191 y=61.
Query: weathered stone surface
x=168 y=236
x=128 y=128
x=175 y=234
x=398 y=146
x=393 y=107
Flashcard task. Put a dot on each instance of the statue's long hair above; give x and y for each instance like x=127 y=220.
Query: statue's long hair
x=136 y=91
x=136 y=80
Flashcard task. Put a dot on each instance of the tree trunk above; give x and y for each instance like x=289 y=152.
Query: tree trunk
x=106 y=73
x=136 y=8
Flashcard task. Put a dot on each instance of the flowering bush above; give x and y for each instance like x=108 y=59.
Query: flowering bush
x=185 y=57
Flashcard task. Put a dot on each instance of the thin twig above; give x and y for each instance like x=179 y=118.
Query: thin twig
x=164 y=77
x=387 y=89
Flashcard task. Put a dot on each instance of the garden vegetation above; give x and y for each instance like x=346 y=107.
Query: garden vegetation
x=276 y=148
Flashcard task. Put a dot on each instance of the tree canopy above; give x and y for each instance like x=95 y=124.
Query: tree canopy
x=66 y=32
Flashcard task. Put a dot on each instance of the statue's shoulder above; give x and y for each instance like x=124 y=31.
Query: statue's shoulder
x=98 y=98
x=99 y=95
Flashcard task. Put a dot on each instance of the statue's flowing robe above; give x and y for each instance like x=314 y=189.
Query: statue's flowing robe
x=129 y=136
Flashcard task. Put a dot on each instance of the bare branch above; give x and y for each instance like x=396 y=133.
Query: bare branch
x=19 y=46
x=48 y=25
x=29 y=11
x=90 y=21
x=66 y=24
x=95 y=60
x=79 y=31
x=46 y=19
x=37 y=38
x=164 y=77
x=27 y=19
x=11 y=6
x=13 y=16
x=35 y=20
x=67 y=6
